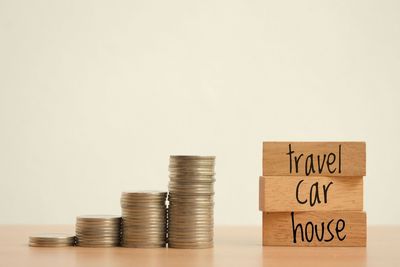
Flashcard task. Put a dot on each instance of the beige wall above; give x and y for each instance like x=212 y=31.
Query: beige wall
x=95 y=95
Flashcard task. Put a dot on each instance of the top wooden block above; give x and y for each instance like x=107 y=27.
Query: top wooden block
x=314 y=158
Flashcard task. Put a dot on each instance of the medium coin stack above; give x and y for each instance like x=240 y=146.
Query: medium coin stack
x=144 y=219
x=51 y=240
x=98 y=230
x=191 y=202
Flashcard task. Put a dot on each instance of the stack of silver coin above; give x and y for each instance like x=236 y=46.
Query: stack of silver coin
x=191 y=202
x=144 y=219
x=98 y=230
x=52 y=240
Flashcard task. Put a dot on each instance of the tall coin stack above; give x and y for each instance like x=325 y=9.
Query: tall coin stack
x=191 y=202
x=98 y=230
x=144 y=219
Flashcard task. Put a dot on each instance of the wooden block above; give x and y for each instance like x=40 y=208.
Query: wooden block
x=314 y=158
x=315 y=228
x=310 y=193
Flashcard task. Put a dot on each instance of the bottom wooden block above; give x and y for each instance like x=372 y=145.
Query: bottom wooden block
x=315 y=228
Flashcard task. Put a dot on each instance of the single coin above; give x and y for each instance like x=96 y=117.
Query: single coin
x=145 y=193
x=33 y=244
x=142 y=208
x=191 y=157
x=140 y=245
x=95 y=218
x=190 y=245
x=97 y=245
x=192 y=212
x=149 y=238
x=52 y=236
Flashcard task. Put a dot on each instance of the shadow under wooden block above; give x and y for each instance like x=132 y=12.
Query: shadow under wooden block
x=315 y=228
x=314 y=158
x=310 y=193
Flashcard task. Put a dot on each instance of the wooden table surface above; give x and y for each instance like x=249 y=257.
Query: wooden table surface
x=234 y=246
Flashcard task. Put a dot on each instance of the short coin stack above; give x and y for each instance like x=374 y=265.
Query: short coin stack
x=191 y=202
x=51 y=240
x=98 y=230
x=144 y=219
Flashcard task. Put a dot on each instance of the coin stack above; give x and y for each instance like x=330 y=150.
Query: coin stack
x=191 y=202
x=51 y=240
x=98 y=230
x=144 y=219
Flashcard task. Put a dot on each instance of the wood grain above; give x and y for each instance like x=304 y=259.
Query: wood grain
x=284 y=193
x=238 y=246
x=350 y=155
x=278 y=228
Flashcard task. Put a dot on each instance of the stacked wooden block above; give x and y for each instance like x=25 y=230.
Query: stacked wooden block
x=311 y=194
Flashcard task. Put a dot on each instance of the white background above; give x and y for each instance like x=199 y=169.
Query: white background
x=95 y=96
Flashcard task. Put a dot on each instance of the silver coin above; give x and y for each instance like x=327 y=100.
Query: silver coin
x=144 y=217
x=91 y=244
x=144 y=237
x=97 y=229
x=97 y=245
x=98 y=240
x=99 y=218
x=190 y=211
x=140 y=245
x=194 y=226
x=143 y=228
x=52 y=236
x=98 y=226
x=197 y=201
x=191 y=157
x=137 y=237
x=192 y=184
x=194 y=167
x=97 y=237
x=142 y=206
x=191 y=190
x=190 y=217
x=145 y=193
x=98 y=234
x=190 y=234
x=199 y=245
x=33 y=244
x=136 y=210
x=144 y=220
x=146 y=209
x=198 y=239
x=52 y=242
x=155 y=222
x=144 y=242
